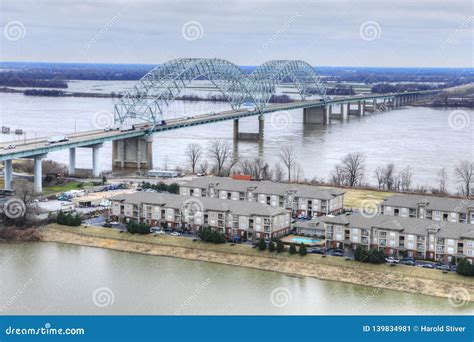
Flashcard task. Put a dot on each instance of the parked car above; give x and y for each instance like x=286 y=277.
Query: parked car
x=175 y=234
x=426 y=265
x=391 y=260
x=9 y=147
x=337 y=253
x=453 y=268
x=408 y=262
x=159 y=232
x=443 y=267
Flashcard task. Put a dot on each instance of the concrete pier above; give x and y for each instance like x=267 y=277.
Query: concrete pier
x=72 y=161
x=8 y=174
x=96 y=160
x=316 y=115
x=133 y=153
x=38 y=173
x=250 y=136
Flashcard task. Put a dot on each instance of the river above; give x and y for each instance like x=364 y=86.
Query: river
x=51 y=278
x=423 y=138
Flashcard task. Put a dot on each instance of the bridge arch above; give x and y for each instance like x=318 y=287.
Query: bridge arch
x=264 y=79
x=163 y=84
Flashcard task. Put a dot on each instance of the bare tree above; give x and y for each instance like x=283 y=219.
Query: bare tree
x=193 y=153
x=464 y=173
x=337 y=176
x=442 y=180
x=26 y=194
x=379 y=175
x=220 y=152
x=389 y=176
x=288 y=158
x=406 y=176
x=203 y=167
x=257 y=168
x=353 y=166
x=278 y=173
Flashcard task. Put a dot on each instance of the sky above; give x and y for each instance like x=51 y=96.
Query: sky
x=396 y=33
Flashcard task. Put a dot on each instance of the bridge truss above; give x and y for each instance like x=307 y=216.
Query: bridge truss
x=154 y=92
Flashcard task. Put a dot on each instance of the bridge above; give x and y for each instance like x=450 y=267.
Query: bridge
x=148 y=101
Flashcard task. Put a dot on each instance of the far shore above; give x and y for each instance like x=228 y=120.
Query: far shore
x=400 y=278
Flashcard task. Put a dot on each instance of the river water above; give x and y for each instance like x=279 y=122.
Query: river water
x=51 y=278
x=426 y=139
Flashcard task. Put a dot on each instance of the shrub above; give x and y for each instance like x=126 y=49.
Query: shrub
x=465 y=268
x=138 y=228
x=271 y=246
x=280 y=247
x=261 y=245
x=292 y=249
x=68 y=219
x=207 y=234
x=303 y=251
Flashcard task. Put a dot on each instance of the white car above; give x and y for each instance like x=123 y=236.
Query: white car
x=175 y=234
x=9 y=147
x=159 y=232
x=391 y=260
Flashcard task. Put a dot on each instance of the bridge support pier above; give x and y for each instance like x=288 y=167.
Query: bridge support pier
x=236 y=129
x=72 y=161
x=250 y=136
x=38 y=173
x=8 y=174
x=316 y=115
x=133 y=153
x=96 y=160
x=357 y=111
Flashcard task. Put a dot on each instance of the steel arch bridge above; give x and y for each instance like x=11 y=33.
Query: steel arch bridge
x=162 y=85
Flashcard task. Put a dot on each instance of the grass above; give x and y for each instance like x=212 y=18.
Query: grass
x=73 y=185
x=354 y=198
x=247 y=250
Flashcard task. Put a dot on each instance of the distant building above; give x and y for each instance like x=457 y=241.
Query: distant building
x=235 y=219
x=301 y=199
x=399 y=236
x=429 y=207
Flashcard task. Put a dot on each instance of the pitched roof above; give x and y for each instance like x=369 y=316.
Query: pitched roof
x=458 y=205
x=265 y=187
x=407 y=225
x=214 y=204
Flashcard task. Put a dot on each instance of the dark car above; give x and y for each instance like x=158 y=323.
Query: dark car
x=337 y=253
x=427 y=266
x=407 y=262
x=443 y=267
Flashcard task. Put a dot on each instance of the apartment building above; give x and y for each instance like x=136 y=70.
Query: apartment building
x=399 y=236
x=300 y=199
x=246 y=220
x=429 y=207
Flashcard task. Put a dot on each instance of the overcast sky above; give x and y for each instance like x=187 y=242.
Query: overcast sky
x=339 y=33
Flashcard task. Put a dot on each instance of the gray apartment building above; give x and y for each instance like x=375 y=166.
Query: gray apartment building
x=397 y=235
x=300 y=199
x=429 y=207
x=245 y=220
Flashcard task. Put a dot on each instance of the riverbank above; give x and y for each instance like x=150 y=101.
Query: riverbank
x=399 y=278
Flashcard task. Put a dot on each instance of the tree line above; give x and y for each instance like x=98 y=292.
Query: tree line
x=218 y=158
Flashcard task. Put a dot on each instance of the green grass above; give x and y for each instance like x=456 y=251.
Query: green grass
x=248 y=250
x=73 y=185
